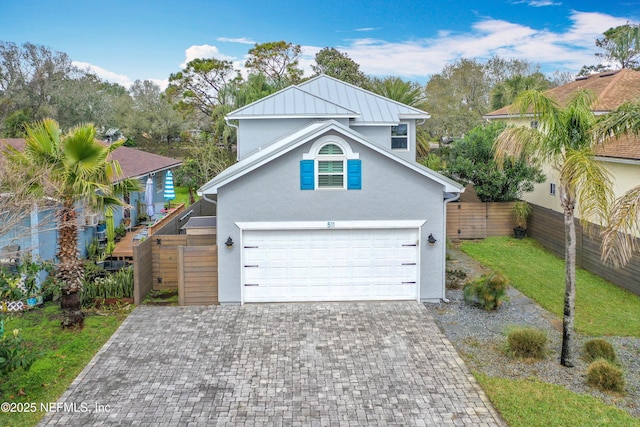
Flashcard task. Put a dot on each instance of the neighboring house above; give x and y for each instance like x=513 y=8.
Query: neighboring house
x=327 y=203
x=37 y=234
x=621 y=156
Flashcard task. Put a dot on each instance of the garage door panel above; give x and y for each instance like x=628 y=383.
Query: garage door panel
x=326 y=265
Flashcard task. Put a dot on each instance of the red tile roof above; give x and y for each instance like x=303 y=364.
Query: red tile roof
x=134 y=163
x=612 y=88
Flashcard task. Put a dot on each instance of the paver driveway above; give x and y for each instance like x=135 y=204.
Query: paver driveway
x=277 y=364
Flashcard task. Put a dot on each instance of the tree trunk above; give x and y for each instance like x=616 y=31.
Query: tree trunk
x=69 y=269
x=71 y=305
x=569 y=280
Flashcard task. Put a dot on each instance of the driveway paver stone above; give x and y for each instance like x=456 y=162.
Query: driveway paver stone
x=320 y=364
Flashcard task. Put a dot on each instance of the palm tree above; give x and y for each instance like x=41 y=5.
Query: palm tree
x=74 y=170
x=505 y=92
x=408 y=93
x=565 y=140
x=619 y=237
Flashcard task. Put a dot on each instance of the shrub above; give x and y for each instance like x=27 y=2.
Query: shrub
x=605 y=376
x=116 y=285
x=14 y=354
x=599 y=349
x=455 y=278
x=92 y=271
x=527 y=343
x=489 y=291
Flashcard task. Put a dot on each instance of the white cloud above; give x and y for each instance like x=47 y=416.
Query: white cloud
x=203 y=51
x=242 y=40
x=366 y=29
x=538 y=3
x=104 y=74
x=564 y=51
x=543 y=3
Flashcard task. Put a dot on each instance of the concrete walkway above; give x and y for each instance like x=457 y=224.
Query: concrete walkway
x=323 y=364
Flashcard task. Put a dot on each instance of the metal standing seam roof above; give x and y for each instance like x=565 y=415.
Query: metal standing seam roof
x=325 y=96
x=291 y=102
x=373 y=108
x=303 y=135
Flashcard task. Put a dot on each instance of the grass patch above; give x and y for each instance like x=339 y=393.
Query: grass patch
x=182 y=196
x=530 y=403
x=161 y=297
x=63 y=355
x=602 y=308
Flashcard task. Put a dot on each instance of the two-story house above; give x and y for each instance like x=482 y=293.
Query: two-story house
x=327 y=202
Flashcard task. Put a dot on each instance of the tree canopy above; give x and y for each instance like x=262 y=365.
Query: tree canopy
x=332 y=62
x=199 y=86
x=471 y=160
x=279 y=61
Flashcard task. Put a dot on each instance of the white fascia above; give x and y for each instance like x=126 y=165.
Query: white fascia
x=329 y=224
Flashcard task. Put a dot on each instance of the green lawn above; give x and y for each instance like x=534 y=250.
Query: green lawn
x=531 y=403
x=63 y=356
x=601 y=307
x=182 y=196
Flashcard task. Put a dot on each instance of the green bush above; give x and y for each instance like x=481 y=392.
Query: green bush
x=599 y=349
x=14 y=354
x=489 y=291
x=455 y=278
x=527 y=343
x=116 y=285
x=92 y=271
x=605 y=376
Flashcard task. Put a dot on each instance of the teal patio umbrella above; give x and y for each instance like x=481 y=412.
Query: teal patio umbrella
x=169 y=191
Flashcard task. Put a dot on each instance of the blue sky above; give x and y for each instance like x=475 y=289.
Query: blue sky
x=123 y=41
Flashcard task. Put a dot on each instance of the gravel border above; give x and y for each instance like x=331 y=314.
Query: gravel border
x=479 y=337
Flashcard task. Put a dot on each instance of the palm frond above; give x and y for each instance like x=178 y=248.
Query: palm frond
x=591 y=183
x=623 y=120
x=519 y=143
x=620 y=237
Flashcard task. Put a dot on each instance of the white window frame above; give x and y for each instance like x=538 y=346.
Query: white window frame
x=331 y=158
x=407 y=136
x=314 y=154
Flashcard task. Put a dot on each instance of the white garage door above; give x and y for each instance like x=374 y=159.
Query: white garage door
x=330 y=265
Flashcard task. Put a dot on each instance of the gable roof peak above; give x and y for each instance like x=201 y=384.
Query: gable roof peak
x=290 y=102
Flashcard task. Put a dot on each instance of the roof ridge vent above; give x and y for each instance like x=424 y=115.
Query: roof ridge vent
x=582 y=78
x=608 y=74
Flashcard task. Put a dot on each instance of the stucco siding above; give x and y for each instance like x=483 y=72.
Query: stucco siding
x=390 y=191
x=381 y=135
x=257 y=133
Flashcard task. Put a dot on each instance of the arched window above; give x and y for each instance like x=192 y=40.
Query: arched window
x=330 y=166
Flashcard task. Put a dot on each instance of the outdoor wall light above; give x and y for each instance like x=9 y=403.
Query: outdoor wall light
x=432 y=240
x=229 y=242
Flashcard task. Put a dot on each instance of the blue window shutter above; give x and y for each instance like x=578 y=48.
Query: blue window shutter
x=307 y=178
x=354 y=174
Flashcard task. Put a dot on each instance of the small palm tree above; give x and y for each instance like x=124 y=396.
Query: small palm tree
x=74 y=170
x=619 y=237
x=565 y=140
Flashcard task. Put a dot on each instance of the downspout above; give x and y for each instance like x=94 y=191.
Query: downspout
x=444 y=237
x=226 y=120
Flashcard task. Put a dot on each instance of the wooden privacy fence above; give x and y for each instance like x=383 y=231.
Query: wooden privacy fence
x=197 y=275
x=547 y=227
x=160 y=262
x=471 y=220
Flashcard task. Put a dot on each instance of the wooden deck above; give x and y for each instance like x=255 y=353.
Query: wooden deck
x=124 y=248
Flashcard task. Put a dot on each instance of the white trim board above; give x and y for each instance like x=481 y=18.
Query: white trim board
x=329 y=224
